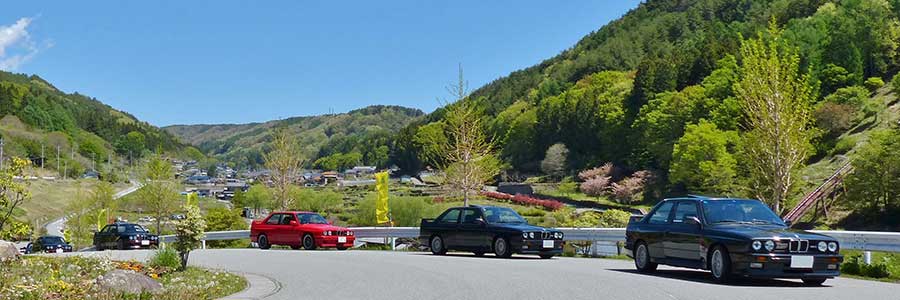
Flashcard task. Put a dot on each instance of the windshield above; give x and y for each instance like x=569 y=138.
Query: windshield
x=132 y=228
x=739 y=211
x=52 y=240
x=502 y=215
x=312 y=219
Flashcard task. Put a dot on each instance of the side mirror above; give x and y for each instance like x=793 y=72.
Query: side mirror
x=480 y=222
x=788 y=223
x=330 y=223
x=293 y=222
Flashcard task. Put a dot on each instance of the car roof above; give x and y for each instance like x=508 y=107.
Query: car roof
x=293 y=212
x=706 y=198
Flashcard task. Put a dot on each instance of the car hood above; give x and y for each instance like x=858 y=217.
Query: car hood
x=325 y=227
x=769 y=231
x=522 y=227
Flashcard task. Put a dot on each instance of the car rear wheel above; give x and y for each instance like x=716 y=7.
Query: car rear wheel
x=263 y=242
x=720 y=264
x=295 y=247
x=642 y=259
x=437 y=245
x=308 y=242
x=341 y=248
x=121 y=245
x=501 y=247
x=479 y=253
x=814 y=281
x=546 y=256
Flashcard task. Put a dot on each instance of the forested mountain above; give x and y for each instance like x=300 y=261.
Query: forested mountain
x=334 y=141
x=666 y=72
x=36 y=113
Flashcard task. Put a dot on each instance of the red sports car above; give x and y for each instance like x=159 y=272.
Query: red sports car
x=299 y=229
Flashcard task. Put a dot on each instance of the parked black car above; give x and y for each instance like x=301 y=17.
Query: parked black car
x=729 y=237
x=48 y=244
x=124 y=236
x=482 y=229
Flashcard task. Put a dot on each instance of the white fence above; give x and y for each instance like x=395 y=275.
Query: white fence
x=859 y=240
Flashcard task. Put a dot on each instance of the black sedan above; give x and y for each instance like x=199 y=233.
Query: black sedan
x=482 y=229
x=124 y=236
x=48 y=244
x=729 y=237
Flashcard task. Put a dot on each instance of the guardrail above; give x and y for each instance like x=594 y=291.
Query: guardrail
x=858 y=240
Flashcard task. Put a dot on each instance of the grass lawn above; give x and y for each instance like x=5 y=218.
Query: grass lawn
x=49 y=199
x=37 y=277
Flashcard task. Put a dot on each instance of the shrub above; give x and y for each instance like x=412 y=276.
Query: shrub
x=835 y=117
x=222 y=219
x=873 y=84
x=614 y=218
x=596 y=186
x=844 y=145
x=568 y=188
x=895 y=84
x=875 y=270
x=604 y=170
x=165 y=258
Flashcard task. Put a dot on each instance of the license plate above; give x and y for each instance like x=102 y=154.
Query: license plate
x=548 y=244
x=801 y=262
x=145 y=243
x=59 y=250
x=342 y=239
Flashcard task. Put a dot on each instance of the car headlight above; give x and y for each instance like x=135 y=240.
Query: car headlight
x=559 y=235
x=757 y=245
x=349 y=232
x=328 y=233
x=524 y=235
x=770 y=245
x=531 y=235
x=823 y=246
x=832 y=246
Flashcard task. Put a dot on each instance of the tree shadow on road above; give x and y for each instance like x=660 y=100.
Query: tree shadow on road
x=705 y=277
x=486 y=256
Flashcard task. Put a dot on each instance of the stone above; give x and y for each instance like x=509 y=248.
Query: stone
x=8 y=251
x=128 y=282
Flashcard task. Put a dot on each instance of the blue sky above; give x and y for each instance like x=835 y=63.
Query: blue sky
x=192 y=62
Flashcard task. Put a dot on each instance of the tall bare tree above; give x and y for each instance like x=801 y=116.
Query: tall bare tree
x=159 y=192
x=468 y=153
x=283 y=162
x=776 y=99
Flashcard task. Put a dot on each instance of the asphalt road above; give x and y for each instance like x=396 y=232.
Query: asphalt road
x=406 y=275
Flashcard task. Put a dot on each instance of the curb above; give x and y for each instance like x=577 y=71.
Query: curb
x=258 y=287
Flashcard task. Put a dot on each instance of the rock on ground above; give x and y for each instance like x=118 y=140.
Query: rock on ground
x=8 y=250
x=128 y=282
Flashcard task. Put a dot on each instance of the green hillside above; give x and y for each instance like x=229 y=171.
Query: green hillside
x=34 y=115
x=358 y=136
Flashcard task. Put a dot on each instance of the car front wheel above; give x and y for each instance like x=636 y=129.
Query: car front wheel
x=263 y=242
x=546 y=256
x=501 y=247
x=642 y=258
x=720 y=264
x=308 y=242
x=437 y=245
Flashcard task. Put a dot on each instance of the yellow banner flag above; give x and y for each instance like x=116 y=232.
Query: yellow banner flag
x=381 y=202
x=100 y=220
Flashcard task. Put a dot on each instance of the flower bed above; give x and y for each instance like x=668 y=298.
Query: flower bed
x=38 y=277
x=525 y=200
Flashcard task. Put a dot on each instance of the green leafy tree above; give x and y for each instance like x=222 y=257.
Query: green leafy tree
x=189 y=232
x=132 y=144
x=258 y=197
x=12 y=192
x=159 y=192
x=222 y=219
x=701 y=159
x=775 y=98
x=873 y=84
x=554 y=163
x=283 y=161
x=875 y=181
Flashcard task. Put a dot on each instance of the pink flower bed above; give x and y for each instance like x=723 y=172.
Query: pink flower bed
x=526 y=200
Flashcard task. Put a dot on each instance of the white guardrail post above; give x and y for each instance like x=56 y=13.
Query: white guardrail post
x=858 y=240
